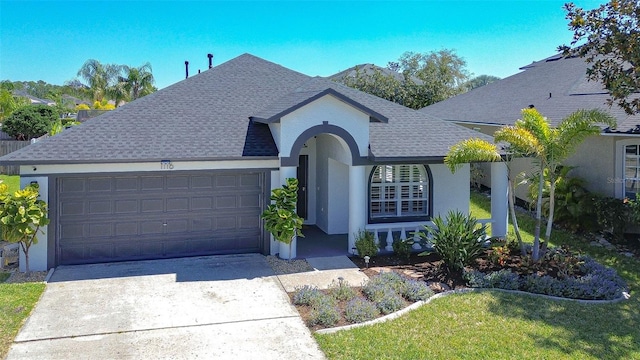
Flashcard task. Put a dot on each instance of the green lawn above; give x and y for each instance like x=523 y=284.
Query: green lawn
x=505 y=326
x=12 y=180
x=16 y=303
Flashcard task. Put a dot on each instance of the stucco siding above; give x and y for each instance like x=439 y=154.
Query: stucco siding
x=450 y=191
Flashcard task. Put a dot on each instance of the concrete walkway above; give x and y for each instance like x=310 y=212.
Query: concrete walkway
x=216 y=307
x=326 y=271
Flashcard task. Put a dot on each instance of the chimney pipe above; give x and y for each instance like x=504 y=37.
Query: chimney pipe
x=210 y=56
x=186 y=69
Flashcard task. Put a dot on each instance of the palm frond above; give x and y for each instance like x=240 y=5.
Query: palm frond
x=521 y=141
x=471 y=150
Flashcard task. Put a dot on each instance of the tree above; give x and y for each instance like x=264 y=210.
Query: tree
x=481 y=80
x=10 y=103
x=532 y=136
x=30 y=122
x=99 y=77
x=138 y=81
x=22 y=215
x=417 y=80
x=443 y=72
x=609 y=38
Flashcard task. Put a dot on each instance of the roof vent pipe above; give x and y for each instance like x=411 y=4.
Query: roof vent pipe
x=210 y=56
x=186 y=69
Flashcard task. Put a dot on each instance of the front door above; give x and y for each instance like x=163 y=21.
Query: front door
x=303 y=175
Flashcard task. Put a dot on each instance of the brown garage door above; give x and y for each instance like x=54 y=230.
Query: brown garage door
x=151 y=216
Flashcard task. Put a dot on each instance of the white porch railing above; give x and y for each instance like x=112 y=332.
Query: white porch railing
x=412 y=229
x=385 y=231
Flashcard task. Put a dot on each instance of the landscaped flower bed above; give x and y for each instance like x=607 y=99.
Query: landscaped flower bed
x=343 y=304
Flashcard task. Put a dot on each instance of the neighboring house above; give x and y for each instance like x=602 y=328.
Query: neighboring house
x=556 y=86
x=34 y=100
x=188 y=169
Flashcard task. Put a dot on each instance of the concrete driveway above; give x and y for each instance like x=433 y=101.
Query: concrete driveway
x=204 y=307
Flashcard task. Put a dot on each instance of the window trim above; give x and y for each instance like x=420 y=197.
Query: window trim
x=394 y=219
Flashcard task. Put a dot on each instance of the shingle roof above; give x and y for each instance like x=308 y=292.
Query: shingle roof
x=207 y=117
x=556 y=86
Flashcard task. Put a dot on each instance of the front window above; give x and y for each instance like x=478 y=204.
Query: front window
x=631 y=171
x=398 y=191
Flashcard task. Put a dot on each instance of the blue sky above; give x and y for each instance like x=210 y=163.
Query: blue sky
x=50 y=40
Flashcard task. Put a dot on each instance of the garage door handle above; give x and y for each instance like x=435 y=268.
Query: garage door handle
x=164 y=224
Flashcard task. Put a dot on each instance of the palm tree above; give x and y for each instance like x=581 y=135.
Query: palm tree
x=95 y=75
x=532 y=136
x=138 y=81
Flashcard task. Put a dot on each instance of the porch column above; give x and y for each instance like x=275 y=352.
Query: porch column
x=357 y=202
x=285 y=173
x=499 y=202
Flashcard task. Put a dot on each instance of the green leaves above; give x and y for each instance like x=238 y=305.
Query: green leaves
x=456 y=239
x=471 y=150
x=280 y=217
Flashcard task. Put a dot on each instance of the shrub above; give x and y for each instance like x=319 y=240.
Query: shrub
x=389 y=301
x=503 y=279
x=390 y=280
x=612 y=215
x=598 y=282
x=456 y=239
x=341 y=290
x=402 y=248
x=360 y=310
x=305 y=295
x=416 y=290
x=324 y=311
x=30 y=122
x=365 y=244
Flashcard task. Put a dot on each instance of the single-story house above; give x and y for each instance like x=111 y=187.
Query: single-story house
x=188 y=170
x=556 y=86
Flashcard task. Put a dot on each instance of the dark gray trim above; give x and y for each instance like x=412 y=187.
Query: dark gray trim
x=407 y=160
x=393 y=219
x=130 y=161
x=325 y=128
x=373 y=115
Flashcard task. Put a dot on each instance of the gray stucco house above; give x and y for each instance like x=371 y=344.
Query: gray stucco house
x=189 y=169
x=556 y=86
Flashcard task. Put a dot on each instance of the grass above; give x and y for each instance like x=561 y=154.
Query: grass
x=13 y=181
x=505 y=326
x=16 y=303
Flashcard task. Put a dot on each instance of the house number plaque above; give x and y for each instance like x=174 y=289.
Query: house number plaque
x=166 y=165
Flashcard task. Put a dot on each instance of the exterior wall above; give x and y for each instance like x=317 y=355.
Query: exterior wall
x=338 y=202
x=450 y=191
x=38 y=252
x=595 y=159
x=331 y=149
x=327 y=108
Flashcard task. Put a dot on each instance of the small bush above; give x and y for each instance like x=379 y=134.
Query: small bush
x=360 y=310
x=416 y=290
x=365 y=244
x=456 y=239
x=374 y=292
x=389 y=301
x=503 y=279
x=341 y=290
x=305 y=295
x=324 y=311
x=390 y=280
x=402 y=248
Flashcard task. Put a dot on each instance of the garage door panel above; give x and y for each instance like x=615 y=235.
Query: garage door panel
x=146 y=216
x=178 y=204
x=99 y=185
x=152 y=205
x=126 y=206
x=126 y=184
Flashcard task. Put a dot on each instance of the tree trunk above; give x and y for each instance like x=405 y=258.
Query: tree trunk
x=25 y=250
x=552 y=206
x=512 y=212
x=535 y=255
